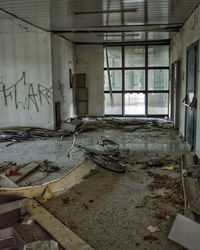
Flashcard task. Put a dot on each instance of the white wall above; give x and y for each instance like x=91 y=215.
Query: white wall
x=34 y=74
x=90 y=61
x=62 y=61
x=189 y=34
x=26 y=97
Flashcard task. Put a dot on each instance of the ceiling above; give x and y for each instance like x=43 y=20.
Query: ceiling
x=104 y=21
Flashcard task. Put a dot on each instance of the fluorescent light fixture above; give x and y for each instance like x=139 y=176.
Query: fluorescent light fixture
x=94 y=12
x=119 y=35
x=133 y=1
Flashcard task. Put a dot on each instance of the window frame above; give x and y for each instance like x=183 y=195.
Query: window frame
x=146 y=68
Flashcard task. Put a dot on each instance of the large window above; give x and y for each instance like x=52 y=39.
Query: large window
x=139 y=77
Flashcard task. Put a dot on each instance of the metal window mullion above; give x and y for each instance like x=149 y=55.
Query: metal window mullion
x=158 y=91
x=123 y=81
x=146 y=80
x=113 y=68
x=158 y=67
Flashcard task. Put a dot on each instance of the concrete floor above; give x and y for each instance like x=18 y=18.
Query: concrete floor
x=55 y=150
x=113 y=211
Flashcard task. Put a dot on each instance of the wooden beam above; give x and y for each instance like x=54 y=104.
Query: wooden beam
x=65 y=237
x=11 y=212
x=26 y=170
x=6 y=182
x=58 y=186
x=190 y=185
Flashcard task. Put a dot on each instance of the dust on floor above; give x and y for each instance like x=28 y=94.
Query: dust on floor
x=110 y=210
x=114 y=211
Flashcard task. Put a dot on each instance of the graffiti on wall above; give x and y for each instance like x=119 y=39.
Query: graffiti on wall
x=25 y=95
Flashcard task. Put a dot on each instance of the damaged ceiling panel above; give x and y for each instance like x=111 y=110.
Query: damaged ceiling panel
x=77 y=16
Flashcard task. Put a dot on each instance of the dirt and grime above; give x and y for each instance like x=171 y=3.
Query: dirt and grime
x=114 y=211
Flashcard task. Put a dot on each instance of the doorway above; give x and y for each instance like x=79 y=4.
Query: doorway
x=190 y=100
x=175 y=95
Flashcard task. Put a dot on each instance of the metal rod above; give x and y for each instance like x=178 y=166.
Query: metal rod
x=109 y=79
x=73 y=144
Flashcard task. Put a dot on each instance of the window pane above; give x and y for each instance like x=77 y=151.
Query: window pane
x=158 y=35
x=117 y=107
x=158 y=56
x=158 y=79
x=135 y=104
x=158 y=104
x=134 y=80
x=116 y=80
x=135 y=56
x=114 y=57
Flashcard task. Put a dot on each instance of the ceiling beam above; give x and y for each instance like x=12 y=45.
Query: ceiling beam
x=140 y=42
x=130 y=28
x=106 y=11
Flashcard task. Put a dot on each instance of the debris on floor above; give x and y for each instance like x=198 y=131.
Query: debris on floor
x=164 y=181
x=164 y=214
x=105 y=209
x=6 y=182
x=9 y=239
x=155 y=163
x=185 y=232
x=65 y=237
x=4 y=165
x=153 y=229
x=129 y=125
x=169 y=168
x=27 y=220
x=73 y=125
x=18 y=134
x=12 y=212
x=18 y=172
x=109 y=157
x=42 y=245
x=173 y=189
x=150 y=237
x=108 y=145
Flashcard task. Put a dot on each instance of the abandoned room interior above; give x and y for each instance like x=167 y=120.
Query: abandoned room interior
x=99 y=124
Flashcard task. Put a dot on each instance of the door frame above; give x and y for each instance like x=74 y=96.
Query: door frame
x=174 y=93
x=193 y=45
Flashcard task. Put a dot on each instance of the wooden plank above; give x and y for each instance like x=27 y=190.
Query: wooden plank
x=58 y=186
x=194 y=206
x=65 y=237
x=9 y=239
x=25 y=171
x=5 y=182
x=14 y=205
x=190 y=185
x=187 y=160
x=12 y=212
